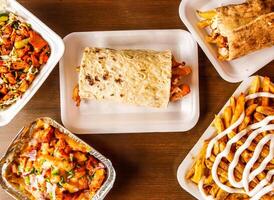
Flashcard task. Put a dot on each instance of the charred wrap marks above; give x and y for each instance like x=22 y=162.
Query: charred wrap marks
x=240 y=29
x=137 y=77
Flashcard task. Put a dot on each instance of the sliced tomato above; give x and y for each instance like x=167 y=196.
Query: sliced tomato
x=34 y=61
x=37 y=41
x=43 y=58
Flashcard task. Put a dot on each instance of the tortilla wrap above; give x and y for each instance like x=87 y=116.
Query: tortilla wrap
x=248 y=26
x=256 y=35
x=137 y=77
x=231 y=17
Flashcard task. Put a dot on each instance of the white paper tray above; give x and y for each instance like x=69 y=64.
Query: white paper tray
x=232 y=71
x=189 y=159
x=96 y=117
x=57 y=49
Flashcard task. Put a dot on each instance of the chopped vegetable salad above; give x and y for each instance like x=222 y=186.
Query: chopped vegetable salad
x=22 y=54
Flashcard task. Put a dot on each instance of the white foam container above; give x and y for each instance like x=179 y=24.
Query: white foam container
x=190 y=158
x=109 y=117
x=57 y=49
x=232 y=71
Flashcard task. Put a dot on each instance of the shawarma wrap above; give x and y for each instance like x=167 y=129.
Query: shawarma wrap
x=137 y=77
x=240 y=29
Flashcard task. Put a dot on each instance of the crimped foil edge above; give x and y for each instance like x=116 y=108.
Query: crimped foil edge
x=25 y=135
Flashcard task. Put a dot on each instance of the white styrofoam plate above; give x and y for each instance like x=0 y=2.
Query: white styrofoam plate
x=189 y=159
x=232 y=71
x=57 y=49
x=109 y=117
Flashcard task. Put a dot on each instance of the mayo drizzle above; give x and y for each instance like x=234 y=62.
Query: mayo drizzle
x=200 y=186
x=254 y=130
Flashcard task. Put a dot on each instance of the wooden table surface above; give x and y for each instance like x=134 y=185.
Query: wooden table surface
x=146 y=164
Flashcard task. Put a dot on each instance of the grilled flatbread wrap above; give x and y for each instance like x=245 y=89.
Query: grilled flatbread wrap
x=231 y=17
x=243 y=28
x=137 y=77
x=256 y=35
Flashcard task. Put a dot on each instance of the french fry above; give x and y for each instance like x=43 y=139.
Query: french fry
x=210 y=39
x=233 y=104
x=227 y=116
x=264 y=153
x=255 y=85
x=200 y=165
x=250 y=109
x=254 y=88
x=260 y=136
x=214 y=190
x=236 y=196
x=266 y=110
x=271 y=87
x=222 y=145
x=239 y=108
x=223 y=165
x=204 y=23
x=255 y=111
x=218 y=124
x=270 y=166
x=221 y=194
x=230 y=156
x=207 y=14
x=245 y=123
x=238 y=170
x=231 y=134
x=246 y=156
x=265 y=86
x=261 y=176
x=216 y=148
x=208 y=180
x=223 y=179
x=208 y=164
x=212 y=158
x=254 y=182
x=222 y=173
x=267 y=197
x=258 y=116
x=190 y=172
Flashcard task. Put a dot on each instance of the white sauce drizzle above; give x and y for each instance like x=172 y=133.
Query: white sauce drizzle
x=266 y=190
x=243 y=185
x=200 y=186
